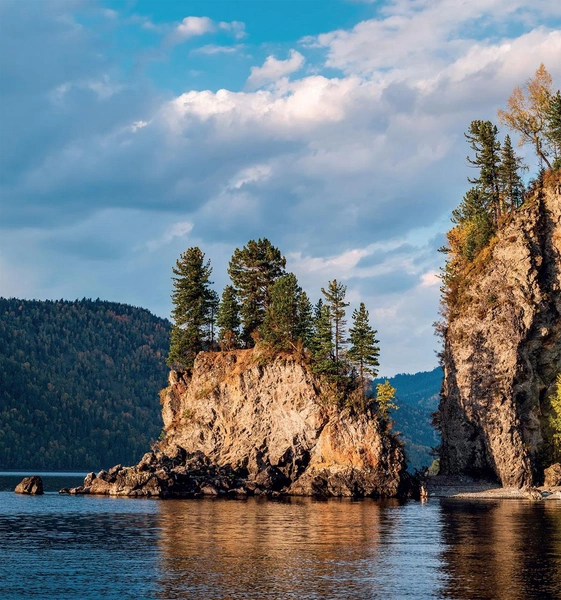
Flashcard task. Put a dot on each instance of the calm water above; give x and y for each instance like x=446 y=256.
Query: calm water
x=66 y=547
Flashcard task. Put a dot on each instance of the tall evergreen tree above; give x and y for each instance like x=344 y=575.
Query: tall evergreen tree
x=228 y=318
x=364 y=350
x=322 y=340
x=281 y=323
x=482 y=137
x=335 y=301
x=213 y=304
x=192 y=299
x=253 y=270
x=510 y=182
x=305 y=323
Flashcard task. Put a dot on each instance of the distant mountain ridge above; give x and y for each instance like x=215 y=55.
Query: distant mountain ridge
x=417 y=397
x=79 y=383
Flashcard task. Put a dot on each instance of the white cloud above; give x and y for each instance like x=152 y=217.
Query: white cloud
x=273 y=69
x=194 y=26
x=197 y=26
x=212 y=49
x=176 y=230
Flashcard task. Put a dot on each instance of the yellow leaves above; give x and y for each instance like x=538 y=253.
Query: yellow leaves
x=527 y=111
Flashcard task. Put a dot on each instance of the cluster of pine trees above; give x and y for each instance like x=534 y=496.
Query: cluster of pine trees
x=534 y=113
x=265 y=305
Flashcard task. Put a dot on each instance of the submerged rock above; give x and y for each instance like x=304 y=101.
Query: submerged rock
x=236 y=427
x=30 y=485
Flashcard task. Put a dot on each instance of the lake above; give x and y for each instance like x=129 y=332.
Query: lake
x=64 y=547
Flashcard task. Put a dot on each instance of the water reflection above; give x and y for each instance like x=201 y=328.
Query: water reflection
x=296 y=549
x=507 y=550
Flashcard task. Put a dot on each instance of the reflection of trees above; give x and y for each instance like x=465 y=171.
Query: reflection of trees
x=505 y=549
x=256 y=549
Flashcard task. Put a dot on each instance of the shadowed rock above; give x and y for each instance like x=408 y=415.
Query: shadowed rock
x=30 y=485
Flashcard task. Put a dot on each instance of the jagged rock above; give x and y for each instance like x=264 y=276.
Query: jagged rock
x=533 y=493
x=552 y=475
x=30 y=485
x=236 y=427
x=503 y=350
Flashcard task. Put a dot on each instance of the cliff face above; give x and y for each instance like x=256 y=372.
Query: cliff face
x=237 y=425
x=503 y=350
x=272 y=424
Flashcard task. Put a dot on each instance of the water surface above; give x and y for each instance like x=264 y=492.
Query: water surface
x=92 y=547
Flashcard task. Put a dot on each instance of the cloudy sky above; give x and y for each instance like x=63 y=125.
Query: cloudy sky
x=131 y=130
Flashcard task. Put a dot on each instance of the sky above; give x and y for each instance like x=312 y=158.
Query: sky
x=132 y=130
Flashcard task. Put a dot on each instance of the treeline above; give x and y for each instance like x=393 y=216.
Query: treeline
x=417 y=396
x=534 y=114
x=265 y=306
x=79 y=383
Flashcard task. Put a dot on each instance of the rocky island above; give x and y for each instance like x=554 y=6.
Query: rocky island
x=237 y=427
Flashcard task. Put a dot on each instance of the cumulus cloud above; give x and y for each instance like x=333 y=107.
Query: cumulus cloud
x=352 y=174
x=273 y=69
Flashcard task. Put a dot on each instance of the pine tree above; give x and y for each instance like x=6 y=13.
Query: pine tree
x=280 y=325
x=192 y=300
x=510 y=182
x=305 y=324
x=322 y=346
x=364 y=350
x=335 y=301
x=482 y=137
x=228 y=319
x=253 y=270
x=213 y=304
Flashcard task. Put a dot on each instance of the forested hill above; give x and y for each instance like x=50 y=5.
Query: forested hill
x=79 y=383
x=417 y=397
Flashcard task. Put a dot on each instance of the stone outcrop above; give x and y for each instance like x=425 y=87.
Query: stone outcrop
x=30 y=485
x=552 y=475
x=503 y=351
x=240 y=424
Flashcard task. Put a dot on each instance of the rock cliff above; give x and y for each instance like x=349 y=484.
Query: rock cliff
x=503 y=350
x=237 y=424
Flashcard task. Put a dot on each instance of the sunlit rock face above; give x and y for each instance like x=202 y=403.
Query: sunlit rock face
x=273 y=422
x=503 y=351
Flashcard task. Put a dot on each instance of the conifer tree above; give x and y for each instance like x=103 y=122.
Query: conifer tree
x=335 y=301
x=482 y=137
x=510 y=182
x=322 y=341
x=253 y=270
x=228 y=318
x=192 y=300
x=280 y=325
x=213 y=304
x=305 y=324
x=364 y=350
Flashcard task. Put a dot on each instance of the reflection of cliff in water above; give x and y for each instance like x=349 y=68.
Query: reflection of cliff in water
x=340 y=549
x=505 y=550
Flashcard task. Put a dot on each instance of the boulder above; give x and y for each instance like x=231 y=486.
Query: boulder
x=552 y=475
x=30 y=485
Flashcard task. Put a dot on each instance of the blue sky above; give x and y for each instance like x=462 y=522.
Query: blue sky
x=133 y=130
